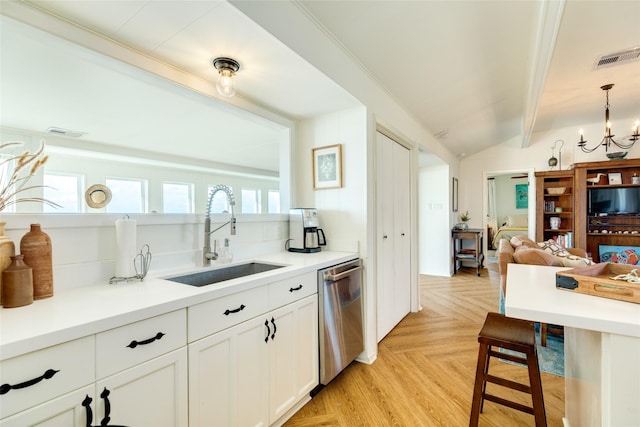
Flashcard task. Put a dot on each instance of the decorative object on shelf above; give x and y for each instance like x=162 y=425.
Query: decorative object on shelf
x=553 y=162
x=35 y=246
x=619 y=254
x=465 y=217
x=625 y=143
x=16 y=170
x=615 y=178
x=7 y=250
x=97 y=196
x=327 y=167
x=17 y=284
x=595 y=179
x=556 y=191
x=635 y=179
x=227 y=68
x=618 y=155
x=554 y=222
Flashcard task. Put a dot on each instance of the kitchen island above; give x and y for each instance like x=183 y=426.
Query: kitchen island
x=602 y=345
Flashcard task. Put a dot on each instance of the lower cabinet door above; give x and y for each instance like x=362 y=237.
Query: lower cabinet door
x=293 y=354
x=228 y=374
x=66 y=410
x=153 y=393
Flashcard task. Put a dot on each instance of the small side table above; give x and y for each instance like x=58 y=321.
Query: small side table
x=460 y=254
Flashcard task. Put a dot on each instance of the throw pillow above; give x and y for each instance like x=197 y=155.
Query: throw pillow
x=553 y=248
x=517 y=241
x=525 y=255
x=517 y=220
x=575 y=261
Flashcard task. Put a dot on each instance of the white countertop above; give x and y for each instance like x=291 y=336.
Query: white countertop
x=90 y=309
x=532 y=295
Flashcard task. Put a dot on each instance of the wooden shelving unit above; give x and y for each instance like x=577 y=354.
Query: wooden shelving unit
x=551 y=205
x=592 y=231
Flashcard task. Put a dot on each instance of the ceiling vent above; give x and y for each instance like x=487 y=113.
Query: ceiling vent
x=618 y=58
x=65 y=132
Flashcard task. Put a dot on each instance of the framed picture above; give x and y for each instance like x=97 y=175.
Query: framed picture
x=522 y=196
x=327 y=167
x=615 y=178
x=454 y=195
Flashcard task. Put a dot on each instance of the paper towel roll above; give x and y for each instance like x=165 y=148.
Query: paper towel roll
x=125 y=247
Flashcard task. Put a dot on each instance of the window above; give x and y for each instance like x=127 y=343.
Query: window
x=177 y=198
x=219 y=204
x=250 y=201
x=63 y=189
x=128 y=196
x=274 y=201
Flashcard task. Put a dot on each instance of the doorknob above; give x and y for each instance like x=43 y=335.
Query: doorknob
x=384 y=236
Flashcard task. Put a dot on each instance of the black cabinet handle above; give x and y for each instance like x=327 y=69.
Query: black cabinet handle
x=6 y=388
x=273 y=322
x=237 y=310
x=87 y=406
x=295 y=289
x=266 y=339
x=107 y=407
x=134 y=343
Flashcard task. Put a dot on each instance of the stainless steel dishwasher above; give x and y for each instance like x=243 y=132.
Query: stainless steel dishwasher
x=340 y=315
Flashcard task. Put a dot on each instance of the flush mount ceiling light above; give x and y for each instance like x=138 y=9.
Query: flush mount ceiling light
x=227 y=68
x=626 y=142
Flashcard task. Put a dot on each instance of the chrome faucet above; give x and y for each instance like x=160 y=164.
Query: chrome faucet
x=207 y=254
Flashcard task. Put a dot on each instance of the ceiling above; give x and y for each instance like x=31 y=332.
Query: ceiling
x=468 y=69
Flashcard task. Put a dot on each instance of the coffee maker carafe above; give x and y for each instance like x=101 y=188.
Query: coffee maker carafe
x=304 y=234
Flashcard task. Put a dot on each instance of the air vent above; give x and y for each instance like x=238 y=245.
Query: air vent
x=618 y=58
x=65 y=132
x=443 y=134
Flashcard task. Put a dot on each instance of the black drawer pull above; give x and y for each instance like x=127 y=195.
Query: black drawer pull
x=5 y=388
x=237 y=310
x=295 y=289
x=134 y=343
x=273 y=322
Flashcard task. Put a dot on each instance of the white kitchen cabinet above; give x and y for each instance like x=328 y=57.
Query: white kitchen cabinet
x=153 y=393
x=253 y=373
x=66 y=410
x=293 y=355
x=228 y=377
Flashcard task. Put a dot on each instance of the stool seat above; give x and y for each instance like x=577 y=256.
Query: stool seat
x=518 y=335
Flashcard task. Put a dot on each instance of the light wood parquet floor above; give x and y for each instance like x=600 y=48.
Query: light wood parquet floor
x=425 y=369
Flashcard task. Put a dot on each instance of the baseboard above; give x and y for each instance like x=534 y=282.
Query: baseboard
x=291 y=412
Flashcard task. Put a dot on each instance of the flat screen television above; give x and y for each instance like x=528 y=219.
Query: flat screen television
x=625 y=200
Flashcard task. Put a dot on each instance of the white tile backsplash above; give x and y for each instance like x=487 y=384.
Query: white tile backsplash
x=84 y=245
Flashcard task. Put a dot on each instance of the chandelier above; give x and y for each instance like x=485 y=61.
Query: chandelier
x=626 y=142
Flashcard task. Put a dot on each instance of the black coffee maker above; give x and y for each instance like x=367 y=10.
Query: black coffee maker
x=304 y=234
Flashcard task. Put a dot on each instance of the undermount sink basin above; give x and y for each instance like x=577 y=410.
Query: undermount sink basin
x=218 y=275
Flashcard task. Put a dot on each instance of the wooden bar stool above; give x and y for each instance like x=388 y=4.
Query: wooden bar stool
x=512 y=334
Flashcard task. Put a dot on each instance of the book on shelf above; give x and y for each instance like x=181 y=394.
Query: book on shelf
x=549 y=206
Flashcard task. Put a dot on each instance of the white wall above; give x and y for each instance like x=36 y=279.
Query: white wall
x=506 y=197
x=433 y=212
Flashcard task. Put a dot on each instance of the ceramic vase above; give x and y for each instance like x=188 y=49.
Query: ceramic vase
x=7 y=250
x=35 y=246
x=17 y=283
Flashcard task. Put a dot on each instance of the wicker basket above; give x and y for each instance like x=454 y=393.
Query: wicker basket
x=556 y=190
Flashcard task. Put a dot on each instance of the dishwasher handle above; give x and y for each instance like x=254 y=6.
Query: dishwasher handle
x=336 y=277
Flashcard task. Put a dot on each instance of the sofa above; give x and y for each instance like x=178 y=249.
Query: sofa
x=522 y=250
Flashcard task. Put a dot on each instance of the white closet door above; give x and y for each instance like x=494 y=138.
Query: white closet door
x=394 y=207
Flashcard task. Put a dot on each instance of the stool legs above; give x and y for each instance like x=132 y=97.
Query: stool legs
x=480 y=386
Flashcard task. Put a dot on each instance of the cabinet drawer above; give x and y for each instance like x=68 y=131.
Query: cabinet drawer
x=53 y=371
x=289 y=290
x=126 y=346
x=215 y=315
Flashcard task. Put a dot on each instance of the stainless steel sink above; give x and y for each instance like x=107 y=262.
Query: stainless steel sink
x=218 y=275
